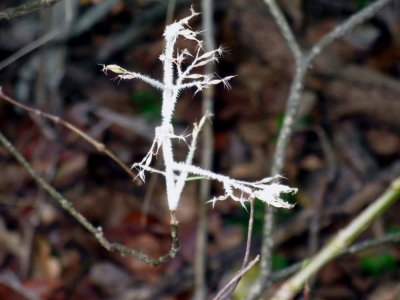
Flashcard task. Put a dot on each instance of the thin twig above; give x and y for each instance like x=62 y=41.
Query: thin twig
x=30 y=47
x=59 y=33
x=339 y=31
x=285 y=30
x=249 y=233
x=96 y=231
x=314 y=227
x=207 y=154
x=356 y=248
x=24 y=9
x=227 y=291
x=342 y=239
x=296 y=90
x=237 y=277
x=57 y=120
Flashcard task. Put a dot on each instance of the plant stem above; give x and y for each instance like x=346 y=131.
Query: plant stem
x=303 y=64
x=207 y=153
x=342 y=240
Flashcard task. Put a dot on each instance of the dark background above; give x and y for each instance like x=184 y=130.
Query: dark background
x=343 y=154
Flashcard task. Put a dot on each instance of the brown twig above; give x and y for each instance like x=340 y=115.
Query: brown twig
x=24 y=9
x=183 y=281
x=222 y=293
x=228 y=289
x=96 y=231
x=57 y=120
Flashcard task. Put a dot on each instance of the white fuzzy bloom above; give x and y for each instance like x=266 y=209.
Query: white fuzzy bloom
x=178 y=76
x=271 y=194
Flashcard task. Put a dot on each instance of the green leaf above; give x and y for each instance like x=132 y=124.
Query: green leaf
x=393 y=229
x=361 y=3
x=376 y=265
x=148 y=103
x=279 y=262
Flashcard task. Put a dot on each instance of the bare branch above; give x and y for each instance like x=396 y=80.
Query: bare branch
x=57 y=120
x=342 y=239
x=236 y=278
x=24 y=9
x=339 y=31
x=227 y=291
x=207 y=153
x=296 y=90
x=96 y=231
x=356 y=248
x=285 y=30
x=30 y=47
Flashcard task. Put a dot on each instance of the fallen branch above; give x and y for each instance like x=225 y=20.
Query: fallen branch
x=96 y=231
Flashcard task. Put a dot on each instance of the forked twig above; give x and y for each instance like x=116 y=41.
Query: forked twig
x=303 y=64
x=237 y=277
x=228 y=289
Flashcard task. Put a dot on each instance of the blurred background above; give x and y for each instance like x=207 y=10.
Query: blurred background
x=343 y=154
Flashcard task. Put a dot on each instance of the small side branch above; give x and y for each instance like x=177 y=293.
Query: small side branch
x=287 y=33
x=226 y=292
x=25 y=9
x=96 y=231
x=125 y=74
x=57 y=120
x=235 y=279
x=339 y=31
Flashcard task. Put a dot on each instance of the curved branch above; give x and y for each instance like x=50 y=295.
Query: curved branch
x=96 y=231
x=293 y=103
x=287 y=33
x=339 y=31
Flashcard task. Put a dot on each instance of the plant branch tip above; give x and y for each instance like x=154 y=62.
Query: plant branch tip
x=176 y=78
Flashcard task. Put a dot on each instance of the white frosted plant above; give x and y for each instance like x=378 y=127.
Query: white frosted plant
x=176 y=79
